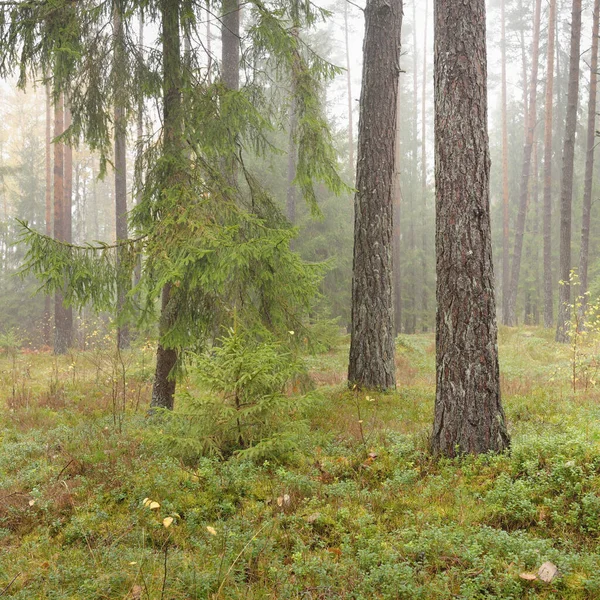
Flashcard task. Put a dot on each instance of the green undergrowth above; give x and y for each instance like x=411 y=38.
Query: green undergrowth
x=358 y=509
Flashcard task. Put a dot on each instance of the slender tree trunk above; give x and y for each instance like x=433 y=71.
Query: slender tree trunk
x=121 y=215
x=566 y=188
x=396 y=246
x=349 y=85
x=208 y=44
x=163 y=390
x=505 y=188
x=424 y=242
x=48 y=199
x=230 y=44
x=535 y=309
x=371 y=363
x=525 y=173
x=137 y=273
x=415 y=291
x=468 y=412
x=68 y=214
x=548 y=279
x=61 y=343
x=589 y=162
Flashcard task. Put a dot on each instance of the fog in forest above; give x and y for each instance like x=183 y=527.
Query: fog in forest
x=275 y=325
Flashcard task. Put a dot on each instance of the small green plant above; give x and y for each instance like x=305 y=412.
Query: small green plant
x=243 y=408
x=584 y=332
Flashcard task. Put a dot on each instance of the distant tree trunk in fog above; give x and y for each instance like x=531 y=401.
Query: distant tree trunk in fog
x=349 y=84
x=566 y=188
x=163 y=389
x=397 y=210
x=120 y=133
x=511 y=317
x=589 y=162
x=424 y=245
x=468 y=412
x=137 y=273
x=61 y=339
x=292 y=148
x=230 y=44
x=371 y=363
x=230 y=61
x=48 y=212
x=68 y=213
x=505 y=188
x=548 y=279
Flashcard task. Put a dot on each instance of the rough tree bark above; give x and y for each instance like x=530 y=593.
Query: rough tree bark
x=566 y=188
x=530 y=123
x=468 y=412
x=548 y=283
x=371 y=363
x=589 y=162
x=163 y=389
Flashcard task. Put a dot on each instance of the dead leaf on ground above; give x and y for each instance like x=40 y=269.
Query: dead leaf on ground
x=548 y=572
x=528 y=576
x=136 y=592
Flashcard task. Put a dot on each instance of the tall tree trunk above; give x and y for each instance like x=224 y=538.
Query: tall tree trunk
x=349 y=86
x=68 y=213
x=424 y=244
x=566 y=188
x=121 y=216
x=48 y=213
x=371 y=363
x=163 y=389
x=137 y=273
x=397 y=209
x=61 y=341
x=505 y=188
x=415 y=288
x=525 y=173
x=548 y=279
x=292 y=148
x=468 y=412
x=589 y=162
x=230 y=44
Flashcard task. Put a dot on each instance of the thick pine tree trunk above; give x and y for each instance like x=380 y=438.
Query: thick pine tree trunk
x=468 y=413
x=48 y=198
x=566 y=188
x=511 y=317
x=120 y=133
x=163 y=389
x=548 y=280
x=589 y=162
x=371 y=362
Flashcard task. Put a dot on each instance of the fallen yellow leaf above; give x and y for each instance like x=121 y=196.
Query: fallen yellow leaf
x=168 y=521
x=211 y=530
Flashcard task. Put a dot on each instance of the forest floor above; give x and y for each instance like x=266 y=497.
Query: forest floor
x=360 y=510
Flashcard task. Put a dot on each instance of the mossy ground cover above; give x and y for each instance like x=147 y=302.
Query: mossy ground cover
x=360 y=510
